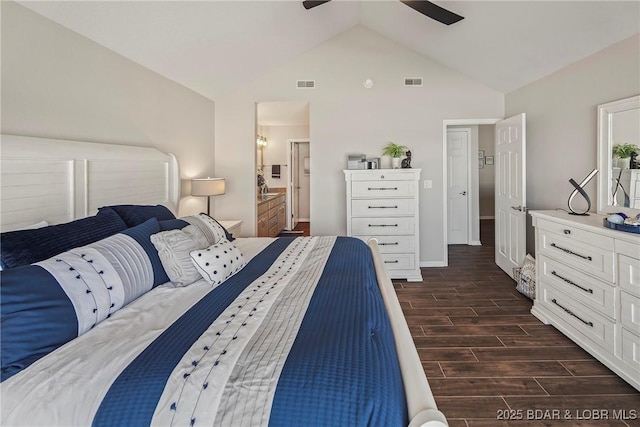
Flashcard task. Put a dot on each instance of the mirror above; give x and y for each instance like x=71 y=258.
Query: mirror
x=618 y=184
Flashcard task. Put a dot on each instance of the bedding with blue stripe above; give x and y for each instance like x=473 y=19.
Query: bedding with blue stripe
x=299 y=336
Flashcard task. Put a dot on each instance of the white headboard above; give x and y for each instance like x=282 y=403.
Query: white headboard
x=58 y=181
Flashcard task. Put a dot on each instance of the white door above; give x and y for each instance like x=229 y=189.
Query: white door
x=457 y=186
x=510 y=188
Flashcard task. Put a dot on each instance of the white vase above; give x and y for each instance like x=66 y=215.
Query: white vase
x=395 y=162
x=624 y=163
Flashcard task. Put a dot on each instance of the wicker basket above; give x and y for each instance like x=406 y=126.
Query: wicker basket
x=525 y=277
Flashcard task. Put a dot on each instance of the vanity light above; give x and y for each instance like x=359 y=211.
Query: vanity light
x=261 y=141
x=208 y=187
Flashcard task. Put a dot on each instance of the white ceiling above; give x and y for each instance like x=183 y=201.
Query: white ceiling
x=213 y=47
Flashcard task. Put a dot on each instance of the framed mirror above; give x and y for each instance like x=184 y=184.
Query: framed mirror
x=618 y=184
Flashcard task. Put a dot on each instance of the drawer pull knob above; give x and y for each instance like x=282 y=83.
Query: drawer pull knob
x=566 y=310
x=571 y=282
x=389 y=244
x=567 y=231
x=392 y=262
x=383 y=207
x=570 y=252
x=381 y=188
x=383 y=225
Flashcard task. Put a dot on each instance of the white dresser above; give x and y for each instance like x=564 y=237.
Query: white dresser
x=383 y=203
x=588 y=287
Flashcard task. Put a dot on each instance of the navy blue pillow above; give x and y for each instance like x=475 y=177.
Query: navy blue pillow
x=25 y=247
x=134 y=215
x=172 y=224
x=36 y=317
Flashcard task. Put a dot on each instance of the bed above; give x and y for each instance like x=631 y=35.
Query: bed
x=299 y=331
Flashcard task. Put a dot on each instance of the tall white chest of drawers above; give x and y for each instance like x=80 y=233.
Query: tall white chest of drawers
x=588 y=287
x=383 y=203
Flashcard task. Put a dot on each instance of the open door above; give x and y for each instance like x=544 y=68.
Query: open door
x=510 y=188
x=458 y=186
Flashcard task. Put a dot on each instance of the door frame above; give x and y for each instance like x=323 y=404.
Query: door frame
x=445 y=124
x=290 y=143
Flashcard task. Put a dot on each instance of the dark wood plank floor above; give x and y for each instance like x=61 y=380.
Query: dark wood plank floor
x=489 y=360
x=304 y=227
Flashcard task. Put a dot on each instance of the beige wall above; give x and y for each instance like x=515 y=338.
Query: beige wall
x=561 y=121
x=58 y=84
x=345 y=117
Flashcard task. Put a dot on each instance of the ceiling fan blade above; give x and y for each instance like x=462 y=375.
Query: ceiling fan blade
x=433 y=11
x=308 y=4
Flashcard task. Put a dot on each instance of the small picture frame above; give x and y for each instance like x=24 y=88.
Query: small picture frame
x=480 y=154
x=480 y=163
x=488 y=160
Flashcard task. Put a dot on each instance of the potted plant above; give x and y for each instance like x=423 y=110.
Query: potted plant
x=623 y=153
x=394 y=151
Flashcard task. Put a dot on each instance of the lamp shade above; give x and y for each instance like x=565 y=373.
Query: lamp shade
x=207 y=186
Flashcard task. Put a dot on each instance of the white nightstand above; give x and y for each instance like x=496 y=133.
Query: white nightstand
x=233 y=226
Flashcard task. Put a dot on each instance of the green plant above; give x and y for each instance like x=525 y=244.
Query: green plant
x=394 y=150
x=624 y=150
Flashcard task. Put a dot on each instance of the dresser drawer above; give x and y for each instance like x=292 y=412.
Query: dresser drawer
x=586 y=289
x=587 y=257
x=631 y=352
x=382 y=207
x=630 y=311
x=382 y=226
x=574 y=234
x=585 y=320
x=629 y=267
x=398 y=261
x=387 y=189
x=394 y=244
x=383 y=176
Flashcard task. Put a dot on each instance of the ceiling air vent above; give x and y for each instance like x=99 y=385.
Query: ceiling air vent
x=413 y=81
x=305 y=84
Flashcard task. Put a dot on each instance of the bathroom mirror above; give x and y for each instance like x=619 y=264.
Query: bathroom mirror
x=618 y=185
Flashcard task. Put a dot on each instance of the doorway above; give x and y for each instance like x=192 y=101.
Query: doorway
x=299 y=188
x=461 y=174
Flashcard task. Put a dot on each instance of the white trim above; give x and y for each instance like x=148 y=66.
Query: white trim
x=304 y=220
x=488 y=217
x=433 y=264
x=475 y=243
x=289 y=203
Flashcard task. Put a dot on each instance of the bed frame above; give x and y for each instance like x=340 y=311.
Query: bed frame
x=58 y=181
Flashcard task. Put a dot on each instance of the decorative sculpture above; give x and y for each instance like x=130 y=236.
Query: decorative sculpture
x=406 y=163
x=579 y=188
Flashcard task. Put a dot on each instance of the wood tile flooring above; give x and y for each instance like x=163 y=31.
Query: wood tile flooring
x=485 y=354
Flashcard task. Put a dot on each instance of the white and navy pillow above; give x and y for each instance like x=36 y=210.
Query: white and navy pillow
x=47 y=304
x=218 y=262
x=208 y=226
x=173 y=248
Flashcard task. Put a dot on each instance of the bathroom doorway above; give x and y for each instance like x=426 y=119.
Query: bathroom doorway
x=299 y=185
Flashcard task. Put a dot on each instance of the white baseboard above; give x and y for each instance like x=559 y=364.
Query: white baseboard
x=433 y=264
x=304 y=220
x=487 y=217
x=475 y=243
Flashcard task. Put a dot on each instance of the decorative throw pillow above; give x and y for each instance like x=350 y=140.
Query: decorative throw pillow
x=47 y=304
x=25 y=247
x=208 y=226
x=134 y=215
x=174 y=247
x=218 y=262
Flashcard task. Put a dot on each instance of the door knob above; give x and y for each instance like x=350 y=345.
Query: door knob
x=519 y=208
x=464 y=193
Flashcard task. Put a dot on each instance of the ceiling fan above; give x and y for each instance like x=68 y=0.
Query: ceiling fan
x=427 y=8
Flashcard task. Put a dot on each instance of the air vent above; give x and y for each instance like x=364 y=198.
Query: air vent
x=305 y=84
x=413 y=81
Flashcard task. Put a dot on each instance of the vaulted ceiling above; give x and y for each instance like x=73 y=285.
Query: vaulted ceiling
x=213 y=47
